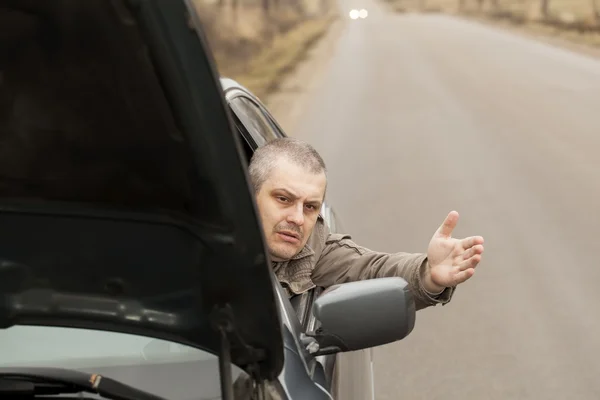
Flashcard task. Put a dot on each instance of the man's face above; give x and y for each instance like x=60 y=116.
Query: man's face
x=289 y=203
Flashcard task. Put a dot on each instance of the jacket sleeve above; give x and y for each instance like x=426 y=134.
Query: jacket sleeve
x=343 y=261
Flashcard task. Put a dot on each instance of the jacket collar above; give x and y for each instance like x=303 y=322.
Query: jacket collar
x=305 y=252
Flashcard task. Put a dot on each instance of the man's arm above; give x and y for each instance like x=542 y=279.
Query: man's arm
x=343 y=261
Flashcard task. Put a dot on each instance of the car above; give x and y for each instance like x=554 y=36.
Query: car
x=132 y=261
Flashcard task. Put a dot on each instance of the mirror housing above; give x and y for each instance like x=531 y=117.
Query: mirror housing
x=364 y=314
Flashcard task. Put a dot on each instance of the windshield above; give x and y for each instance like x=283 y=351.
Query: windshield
x=164 y=368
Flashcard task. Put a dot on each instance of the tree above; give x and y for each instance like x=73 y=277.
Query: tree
x=596 y=11
x=544 y=6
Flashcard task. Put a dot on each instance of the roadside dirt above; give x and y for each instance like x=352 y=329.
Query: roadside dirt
x=289 y=101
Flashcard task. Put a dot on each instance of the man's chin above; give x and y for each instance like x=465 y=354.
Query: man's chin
x=280 y=254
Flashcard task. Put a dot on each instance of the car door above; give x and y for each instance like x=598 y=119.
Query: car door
x=347 y=375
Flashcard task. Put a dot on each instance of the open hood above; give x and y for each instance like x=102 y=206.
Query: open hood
x=124 y=200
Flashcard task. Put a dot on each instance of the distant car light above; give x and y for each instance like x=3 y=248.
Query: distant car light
x=363 y=13
x=354 y=14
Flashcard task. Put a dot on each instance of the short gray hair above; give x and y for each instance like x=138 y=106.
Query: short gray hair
x=294 y=150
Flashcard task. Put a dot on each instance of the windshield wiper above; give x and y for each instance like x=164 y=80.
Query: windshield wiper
x=52 y=381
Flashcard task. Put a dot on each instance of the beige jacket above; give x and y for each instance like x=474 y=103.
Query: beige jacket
x=329 y=259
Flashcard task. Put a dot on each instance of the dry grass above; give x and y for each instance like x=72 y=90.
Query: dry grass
x=264 y=73
x=259 y=50
x=579 y=9
x=573 y=20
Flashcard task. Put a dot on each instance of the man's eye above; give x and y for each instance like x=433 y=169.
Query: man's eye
x=283 y=199
x=311 y=207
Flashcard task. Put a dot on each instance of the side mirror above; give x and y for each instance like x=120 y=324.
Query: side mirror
x=359 y=315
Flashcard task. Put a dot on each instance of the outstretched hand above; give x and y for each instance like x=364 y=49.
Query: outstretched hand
x=451 y=261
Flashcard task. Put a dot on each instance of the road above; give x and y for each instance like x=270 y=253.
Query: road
x=418 y=115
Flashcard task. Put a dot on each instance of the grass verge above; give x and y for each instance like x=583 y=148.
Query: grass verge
x=265 y=70
x=571 y=20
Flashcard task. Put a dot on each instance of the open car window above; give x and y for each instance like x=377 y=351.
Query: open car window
x=256 y=129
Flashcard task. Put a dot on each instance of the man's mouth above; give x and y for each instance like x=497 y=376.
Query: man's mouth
x=288 y=236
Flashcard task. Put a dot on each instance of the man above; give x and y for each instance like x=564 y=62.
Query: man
x=289 y=178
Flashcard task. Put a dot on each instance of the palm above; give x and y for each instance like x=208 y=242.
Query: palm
x=452 y=261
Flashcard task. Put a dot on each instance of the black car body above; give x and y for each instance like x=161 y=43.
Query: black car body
x=130 y=247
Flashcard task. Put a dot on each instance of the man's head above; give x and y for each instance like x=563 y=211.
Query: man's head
x=289 y=179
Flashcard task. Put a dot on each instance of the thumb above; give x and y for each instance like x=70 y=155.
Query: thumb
x=449 y=224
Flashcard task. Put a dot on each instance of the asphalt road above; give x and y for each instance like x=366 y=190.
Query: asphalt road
x=417 y=115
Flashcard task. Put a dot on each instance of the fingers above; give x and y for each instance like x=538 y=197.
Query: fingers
x=463 y=276
x=449 y=224
x=477 y=249
x=471 y=241
x=470 y=263
x=457 y=275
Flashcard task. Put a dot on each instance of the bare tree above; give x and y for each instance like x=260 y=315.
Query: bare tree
x=235 y=5
x=544 y=6
x=596 y=11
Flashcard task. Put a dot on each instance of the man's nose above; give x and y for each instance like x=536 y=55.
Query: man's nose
x=296 y=216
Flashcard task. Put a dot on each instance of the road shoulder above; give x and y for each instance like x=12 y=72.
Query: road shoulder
x=293 y=94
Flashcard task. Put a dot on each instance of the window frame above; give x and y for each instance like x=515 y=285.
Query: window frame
x=258 y=137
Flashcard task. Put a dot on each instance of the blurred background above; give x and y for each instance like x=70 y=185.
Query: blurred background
x=420 y=107
x=257 y=42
